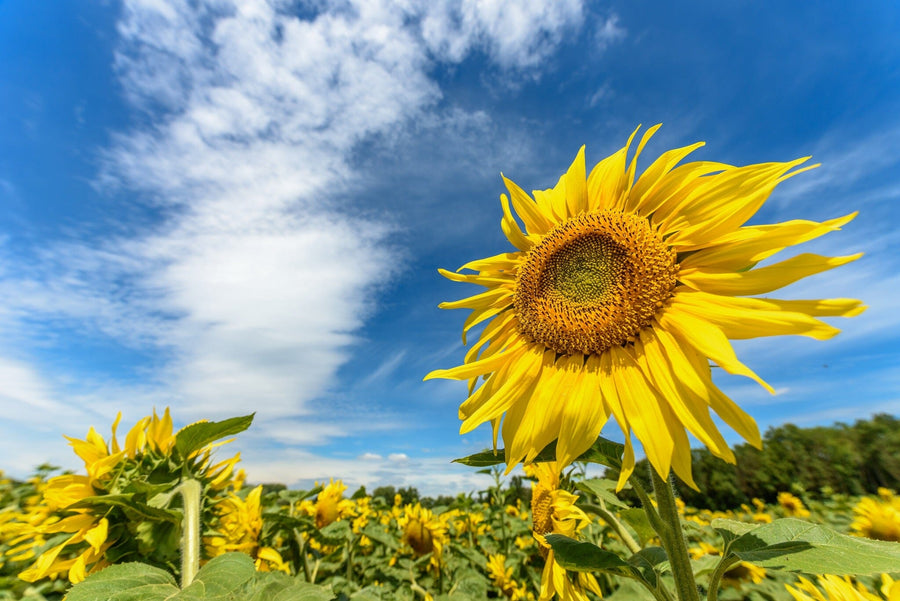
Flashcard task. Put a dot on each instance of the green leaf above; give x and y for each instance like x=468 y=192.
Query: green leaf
x=603 y=488
x=335 y=533
x=128 y=501
x=196 y=436
x=705 y=565
x=125 y=582
x=487 y=457
x=475 y=558
x=220 y=578
x=380 y=536
x=583 y=556
x=797 y=546
x=629 y=590
x=267 y=585
x=731 y=530
x=650 y=562
x=280 y=520
x=637 y=519
x=303 y=591
x=604 y=452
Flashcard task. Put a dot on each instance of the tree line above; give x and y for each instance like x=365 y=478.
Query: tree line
x=820 y=462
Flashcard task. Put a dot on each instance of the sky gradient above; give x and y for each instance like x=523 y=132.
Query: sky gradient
x=229 y=206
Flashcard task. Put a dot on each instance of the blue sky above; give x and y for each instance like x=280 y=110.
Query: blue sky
x=229 y=206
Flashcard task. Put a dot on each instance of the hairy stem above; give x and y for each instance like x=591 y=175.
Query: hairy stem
x=617 y=526
x=190 y=534
x=673 y=539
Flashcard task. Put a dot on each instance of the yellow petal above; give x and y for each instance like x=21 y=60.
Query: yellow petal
x=96 y=536
x=742 y=318
x=488 y=298
x=708 y=340
x=607 y=181
x=663 y=202
x=724 y=202
x=511 y=228
x=535 y=219
x=632 y=167
x=748 y=245
x=497 y=263
x=501 y=390
x=762 y=279
x=576 y=190
x=643 y=191
x=476 y=368
x=689 y=410
x=584 y=415
x=719 y=402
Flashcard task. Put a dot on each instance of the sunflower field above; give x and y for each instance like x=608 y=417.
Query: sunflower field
x=621 y=294
x=116 y=531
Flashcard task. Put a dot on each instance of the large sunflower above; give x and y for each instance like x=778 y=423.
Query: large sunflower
x=618 y=296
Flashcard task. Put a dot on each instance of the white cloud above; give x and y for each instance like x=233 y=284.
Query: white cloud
x=430 y=476
x=250 y=286
x=513 y=34
x=608 y=32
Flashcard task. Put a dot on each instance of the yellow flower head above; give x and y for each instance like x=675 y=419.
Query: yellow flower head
x=331 y=504
x=423 y=532
x=553 y=511
x=617 y=295
x=877 y=519
x=742 y=573
x=792 y=505
x=110 y=470
x=836 y=588
x=502 y=577
x=238 y=526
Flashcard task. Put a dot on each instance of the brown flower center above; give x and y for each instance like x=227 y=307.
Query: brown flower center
x=593 y=282
x=419 y=537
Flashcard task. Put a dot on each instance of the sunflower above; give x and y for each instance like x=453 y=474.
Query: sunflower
x=792 y=505
x=238 y=525
x=553 y=511
x=83 y=534
x=502 y=577
x=735 y=576
x=836 y=588
x=618 y=295
x=877 y=519
x=424 y=532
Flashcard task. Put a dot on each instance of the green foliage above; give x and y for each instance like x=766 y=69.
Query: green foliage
x=229 y=577
x=193 y=438
x=842 y=459
x=798 y=546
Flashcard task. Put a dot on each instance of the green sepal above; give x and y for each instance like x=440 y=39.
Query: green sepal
x=582 y=556
x=603 y=451
x=129 y=502
x=194 y=437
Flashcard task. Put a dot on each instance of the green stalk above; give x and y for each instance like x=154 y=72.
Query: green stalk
x=672 y=538
x=608 y=517
x=725 y=564
x=190 y=533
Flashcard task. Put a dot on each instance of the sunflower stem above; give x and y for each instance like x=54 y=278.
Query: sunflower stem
x=608 y=517
x=190 y=534
x=672 y=537
x=725 y=564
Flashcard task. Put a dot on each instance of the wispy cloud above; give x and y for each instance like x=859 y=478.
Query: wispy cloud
x=261 y=265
